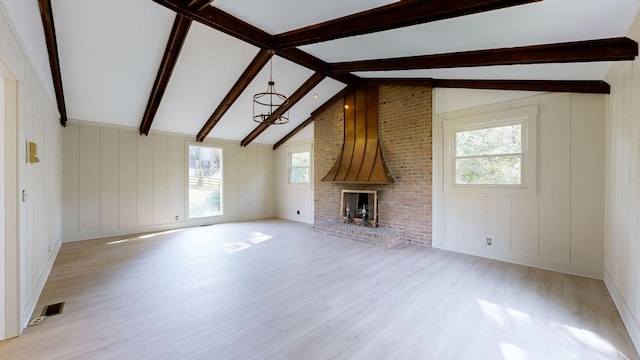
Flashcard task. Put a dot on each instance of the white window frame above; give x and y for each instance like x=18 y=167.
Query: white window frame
x=290 y=153
x=219 y=147
x=527 y=117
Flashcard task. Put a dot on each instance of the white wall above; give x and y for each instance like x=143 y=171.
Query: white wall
x=293 y=198
x=560 y=227
x=622 y=194
x=117 y=182
x=33 y=227
x=449 y=100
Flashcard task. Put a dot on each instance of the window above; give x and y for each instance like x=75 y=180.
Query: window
x=489 y=156
x=493 y=152
x=205 y=181
x=299 y=167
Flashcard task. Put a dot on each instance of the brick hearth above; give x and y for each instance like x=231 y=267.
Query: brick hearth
x=382 y=237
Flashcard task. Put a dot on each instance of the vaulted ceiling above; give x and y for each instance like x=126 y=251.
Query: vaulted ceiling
x=192 y=66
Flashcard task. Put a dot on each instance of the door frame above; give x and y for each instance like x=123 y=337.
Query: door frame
x=10 y=322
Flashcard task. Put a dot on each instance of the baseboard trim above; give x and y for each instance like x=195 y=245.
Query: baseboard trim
x=628 y=318
x=32 y=301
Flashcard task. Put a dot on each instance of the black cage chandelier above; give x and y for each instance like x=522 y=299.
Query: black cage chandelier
x=266 y=103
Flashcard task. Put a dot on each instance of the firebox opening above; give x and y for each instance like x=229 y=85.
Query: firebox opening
x=359 y=207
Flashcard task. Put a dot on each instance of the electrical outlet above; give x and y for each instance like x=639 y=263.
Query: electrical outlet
x=36 y=320
x=49 y=249
x=489 y=241
x=177 y=218
x=298 y=212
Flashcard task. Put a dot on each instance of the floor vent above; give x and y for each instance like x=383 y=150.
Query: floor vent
x=53 y=309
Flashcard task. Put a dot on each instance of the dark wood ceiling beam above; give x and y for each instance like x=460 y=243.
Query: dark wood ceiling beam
x=199 y=4
x=613 y=49
x=241 y=84
x=575 y=86
x=303 y=90
x=177 y=37
x=46 y=14
x=220 y=20
x=428 y=82
x=313 y=63
x=404 y=13
x=315 y=113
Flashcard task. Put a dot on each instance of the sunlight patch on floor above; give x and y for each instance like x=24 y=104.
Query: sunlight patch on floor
x=508 y=319
x=145 y=236
x=254 y=238
x=513 y=352
x=587 y=338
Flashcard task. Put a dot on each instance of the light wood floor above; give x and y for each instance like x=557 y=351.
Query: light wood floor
x=275 y=289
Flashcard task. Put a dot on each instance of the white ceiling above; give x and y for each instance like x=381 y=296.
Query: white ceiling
x=110 y=52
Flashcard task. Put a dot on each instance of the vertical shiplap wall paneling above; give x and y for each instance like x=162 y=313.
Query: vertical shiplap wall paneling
x=138 y=183
x=144 y=175
x=252 y=202
x=176 y=175
x=475 y=220
x=231 y=195
x=556 y=227
x=89 y=169
x=633 y=265
x=587 y=142
x=54 y=184
x=128 y=180
x=555 y=179
x=283 y=201
x=242 y=205
x=524 y=226
x=39 y=217
x=622 y=195
x=160 y=174
x=453 y=236
x=498 y=220
x=255 y=201
x=267 y=167
x=269 y=160
x=109 y=175
x=3 y=206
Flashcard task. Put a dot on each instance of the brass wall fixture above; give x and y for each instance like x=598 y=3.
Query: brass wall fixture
x=32 y=153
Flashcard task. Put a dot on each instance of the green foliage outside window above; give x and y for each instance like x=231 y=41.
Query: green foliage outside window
x=489 y=156
x=299 y=165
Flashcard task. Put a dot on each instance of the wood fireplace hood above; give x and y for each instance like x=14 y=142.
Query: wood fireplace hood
x=360 y=161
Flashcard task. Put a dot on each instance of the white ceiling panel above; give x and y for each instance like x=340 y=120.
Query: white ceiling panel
x=549 y=21
x=108 y=59
x=277 y=16
x=208 y=67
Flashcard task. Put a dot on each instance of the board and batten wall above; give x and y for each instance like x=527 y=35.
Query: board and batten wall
x=117 y=182
x=295 y=201
x=560 y=226
x=622 y=191
x=32 y=227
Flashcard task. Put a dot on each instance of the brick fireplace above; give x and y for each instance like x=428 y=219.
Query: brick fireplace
x=404 y=207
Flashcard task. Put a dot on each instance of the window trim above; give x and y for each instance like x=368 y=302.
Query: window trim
x=290 y=153
x=527 y=116
x=222 y=149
